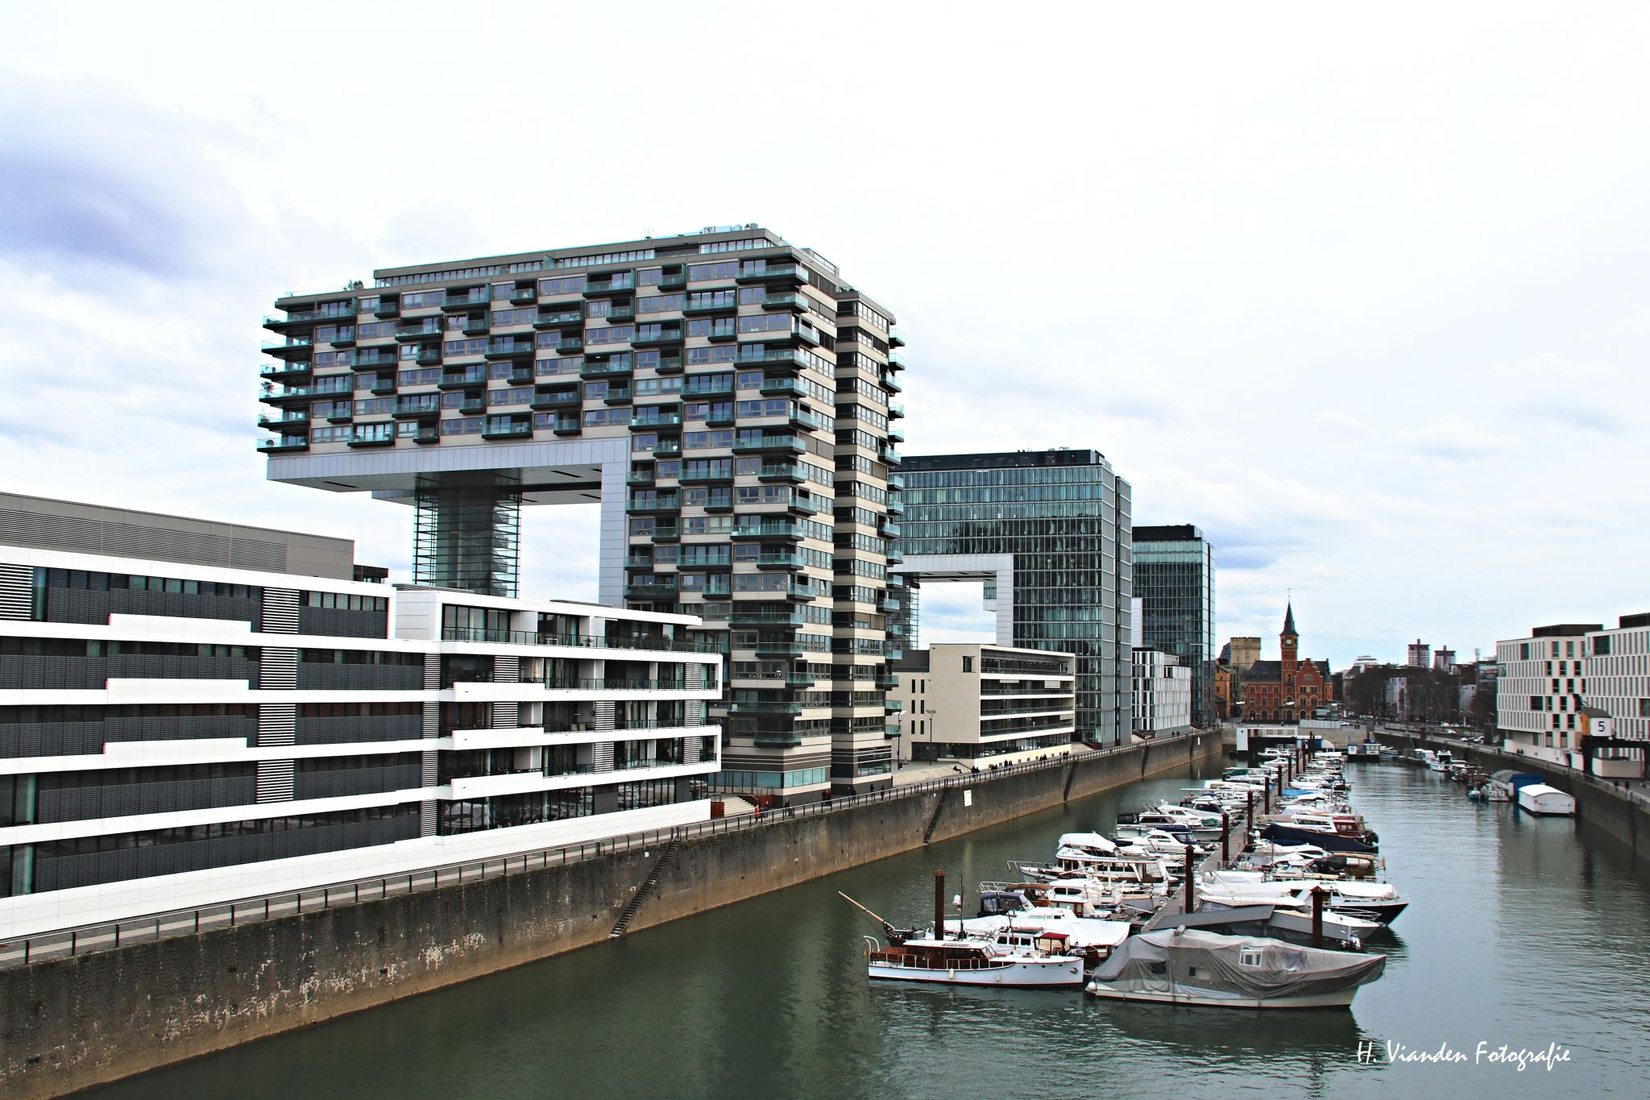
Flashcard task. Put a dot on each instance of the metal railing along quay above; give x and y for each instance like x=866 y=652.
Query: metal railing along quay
x=86 y=939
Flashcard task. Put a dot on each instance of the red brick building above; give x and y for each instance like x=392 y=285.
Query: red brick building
x=1286 y=690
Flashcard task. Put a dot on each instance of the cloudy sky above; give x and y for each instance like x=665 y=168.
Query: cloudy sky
x=1361 y=292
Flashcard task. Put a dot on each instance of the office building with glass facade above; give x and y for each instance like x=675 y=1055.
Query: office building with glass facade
x=1174 y=579
x=726 y=397
x=1050 y=532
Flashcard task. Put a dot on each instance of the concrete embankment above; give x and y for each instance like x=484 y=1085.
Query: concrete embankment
x=70 y=1023
x=1615 y=809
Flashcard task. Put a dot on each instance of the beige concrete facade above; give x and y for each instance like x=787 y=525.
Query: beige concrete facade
x=985 y=704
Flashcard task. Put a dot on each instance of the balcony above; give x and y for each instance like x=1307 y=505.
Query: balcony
x=764 y=618
x=668 y=365
x=618 y=284
x=566 y=425
x=457 y=302
x=427 y=433
x=670 y=504
x=895 y=340
x=292 y=348
x=765 y=707
x=472 y=406
x=558 y=318
x=592 y=368
x=374 y=440
x=667 y=448
x=477 y=324
x=891 y=383
x=896 y=481
x=762 y=272
x=896 y=506
x=796 y=302
x=524 y=296
x=896 y=364
x=710 y=477
x=783 y=472
x=619 y=314
x=654 y=339
x=766 y=531
x=777 y=647
x=752 y=444
x=780 y=561
x=895 y=410
x=457 y=380
x=782 y=387
x=658 y=590
x=569 y=345
x=387 y=307
x=617 y=395
x=664 y=420
x=415 y=406
x=701 y=309
x=426 y=331
x=673 y=280
x=283 y=444
x=555 y=399
x=665 y=534
x=428 y=357
x=509 y=349
x=293 y=419
x=506 y=429
x=281 y=372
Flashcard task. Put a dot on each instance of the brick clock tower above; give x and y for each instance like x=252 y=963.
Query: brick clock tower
x=1289 y=643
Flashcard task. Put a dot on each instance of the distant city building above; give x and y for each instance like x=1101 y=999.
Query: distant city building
x=1236 y=657
x=1419 y=654
x=1617 y=675
x=1174 y=578
x=985 y=704
x=1289 y=689
x=1162 y=693
x=1245 y=652
x=195 y=712
x=1050 y=534
x=1443 y=659
x=1362 y=663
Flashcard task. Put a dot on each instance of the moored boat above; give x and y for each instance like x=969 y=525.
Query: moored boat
x=1197 y=968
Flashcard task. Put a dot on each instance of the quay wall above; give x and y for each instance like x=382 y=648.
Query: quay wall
x=1615 y=809
x=69 y=1023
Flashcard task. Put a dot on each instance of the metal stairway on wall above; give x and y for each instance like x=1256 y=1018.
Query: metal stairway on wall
x=644 y=890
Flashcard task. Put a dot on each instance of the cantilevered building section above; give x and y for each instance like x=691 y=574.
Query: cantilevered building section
x=1049 y=533
x=726 y=398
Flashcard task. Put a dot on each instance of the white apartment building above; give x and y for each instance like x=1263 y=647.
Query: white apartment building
x=1162 y=693
x=985 y=704
x=178 y=731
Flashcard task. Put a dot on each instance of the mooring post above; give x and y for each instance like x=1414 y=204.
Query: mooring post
x=1318 y=894
x=939 y=905
x=1190 y=889
x=1225 y=833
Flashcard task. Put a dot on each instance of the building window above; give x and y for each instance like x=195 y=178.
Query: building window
x=968 y=664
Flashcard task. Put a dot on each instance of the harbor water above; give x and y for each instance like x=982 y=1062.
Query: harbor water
x=1525 y=944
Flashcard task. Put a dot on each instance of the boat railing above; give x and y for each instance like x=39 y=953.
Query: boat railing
x=113 y=935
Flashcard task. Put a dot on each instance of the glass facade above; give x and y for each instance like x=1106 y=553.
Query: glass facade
x=1065 y=518
x=1174 y=578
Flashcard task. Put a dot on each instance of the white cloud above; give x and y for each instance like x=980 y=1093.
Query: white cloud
x=1359 y=294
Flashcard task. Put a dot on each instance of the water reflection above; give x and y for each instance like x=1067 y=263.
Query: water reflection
x=1519 y=932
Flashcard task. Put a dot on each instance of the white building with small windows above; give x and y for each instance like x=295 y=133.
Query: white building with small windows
x=978 y=705
x=1572 y=680
x=1162 y=693
x=1541 y=684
